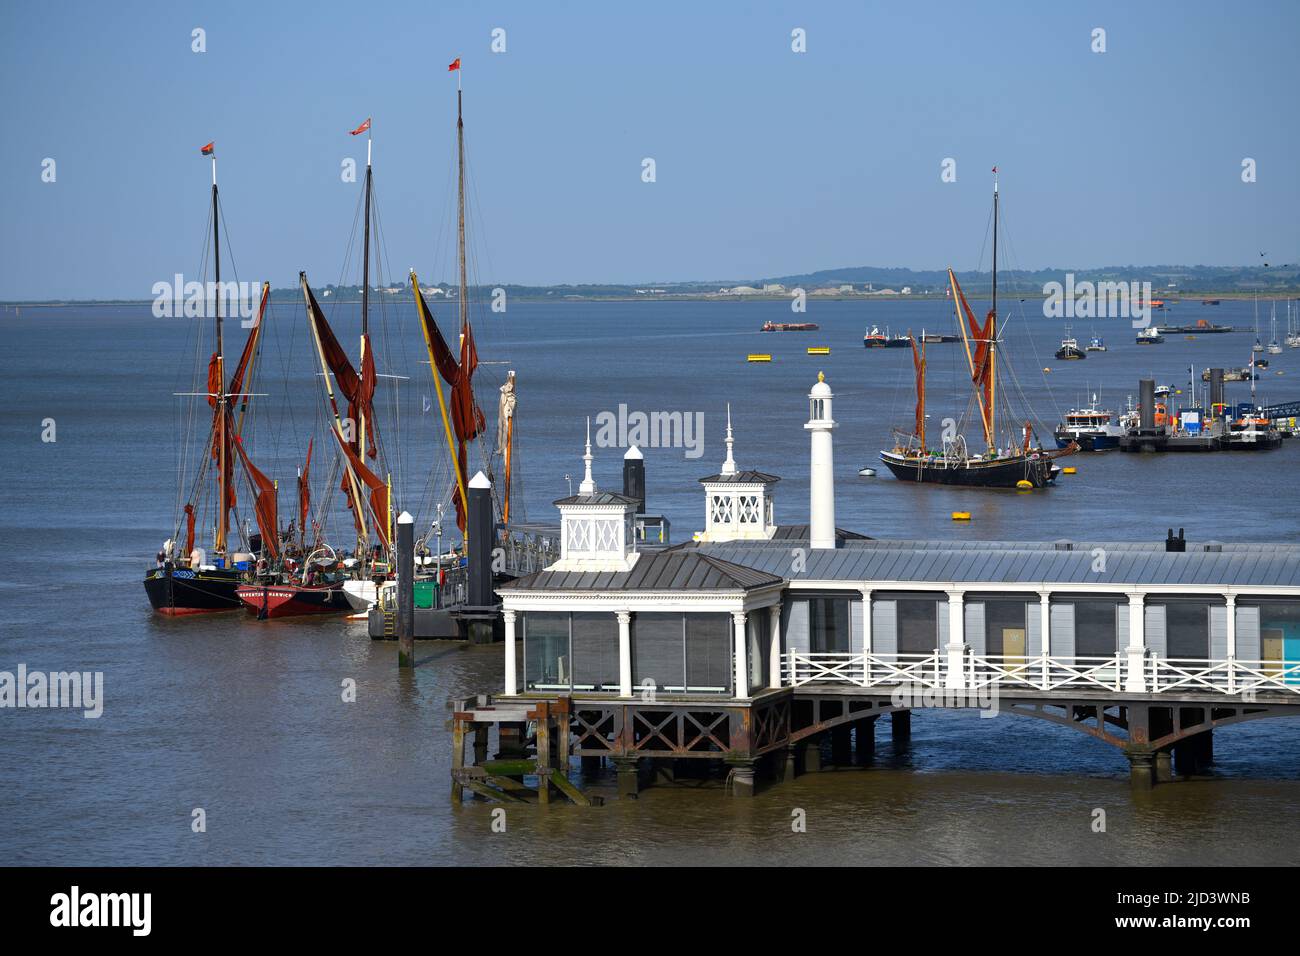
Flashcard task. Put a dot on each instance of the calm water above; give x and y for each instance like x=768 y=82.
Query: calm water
x=246 y=720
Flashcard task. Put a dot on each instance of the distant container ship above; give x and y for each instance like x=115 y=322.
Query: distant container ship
x=789 y=327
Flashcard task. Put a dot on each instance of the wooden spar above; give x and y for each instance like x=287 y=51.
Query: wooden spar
x=460 y=209
x=918 y=356
x=359 y=506
x=992 y=324
x=510 y=439
x=222 y=506
x=365 y=297
x=442 y=402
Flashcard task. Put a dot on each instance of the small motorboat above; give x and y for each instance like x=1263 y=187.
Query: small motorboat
x=867 y=472
x=1069 y=350
x=1095 y=344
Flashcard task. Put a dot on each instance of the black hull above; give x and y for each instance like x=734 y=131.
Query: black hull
x=1087 y=442
x=997 y=474
x=180 y=591
x=1070 y=355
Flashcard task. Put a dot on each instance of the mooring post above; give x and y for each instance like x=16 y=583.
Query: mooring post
x=900 y=727
x=628 y=776
x=742 y=775
x=405 y=590
x=1141 y=767
x=864 y=738
x=791 y=761
x=480 y=537
x=812 y=755
x=543 y=753
x=457 y=757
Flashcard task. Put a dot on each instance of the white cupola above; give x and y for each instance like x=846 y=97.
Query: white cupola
x=821 y=472
x=596 y=532
x=737 y=504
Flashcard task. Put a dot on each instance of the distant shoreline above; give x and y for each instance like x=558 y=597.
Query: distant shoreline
x=1193 y=298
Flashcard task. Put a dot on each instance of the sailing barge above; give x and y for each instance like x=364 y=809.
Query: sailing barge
x=1015 y=464
x=186 y=579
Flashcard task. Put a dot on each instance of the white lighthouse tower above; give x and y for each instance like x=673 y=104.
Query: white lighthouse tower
x=821 y=472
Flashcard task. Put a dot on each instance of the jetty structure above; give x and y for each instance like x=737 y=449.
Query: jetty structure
x=756 y=643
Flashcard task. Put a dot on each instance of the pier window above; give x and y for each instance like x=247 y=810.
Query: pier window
x=682 y=652
x=1268 y=631
x=824 y=624
x=1088 y=625
x=918 y=625
x=571 y=651
x=1180 y=628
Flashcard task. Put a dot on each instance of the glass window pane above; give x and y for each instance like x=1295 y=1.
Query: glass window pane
x=918 y=626
x=1004 y=628
x=829 y=629
x=1187 y=630
x=595 y=651
x=657 y=651
x=1095 y=629
x=708 y=652
x=546 y=650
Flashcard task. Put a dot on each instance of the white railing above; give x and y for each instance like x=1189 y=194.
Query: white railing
x=1165 y=674
x=1159 y=675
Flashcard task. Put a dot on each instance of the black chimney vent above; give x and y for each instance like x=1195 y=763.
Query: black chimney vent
x=1175 y=544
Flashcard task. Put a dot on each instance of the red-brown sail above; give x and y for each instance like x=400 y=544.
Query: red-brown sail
x=467 y=418
x=265 y=506
x=918 y=362
x=378 y=491
x=981 y=357
x=359 y=390
x=304 y=493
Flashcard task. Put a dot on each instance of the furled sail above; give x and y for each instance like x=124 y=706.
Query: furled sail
x=359 y=390
x=981 y=358
x=378 y=491
x=266 y=507
x=466 y=417
x=918 y=362
x=304 y=494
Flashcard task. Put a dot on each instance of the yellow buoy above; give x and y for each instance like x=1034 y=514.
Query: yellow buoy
x=1022 y=484
x=819 y=350
x=764 y=357
x=1070 y=471
x=961 y=516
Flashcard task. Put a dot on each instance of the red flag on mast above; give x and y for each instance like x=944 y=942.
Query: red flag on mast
x=362 y=128
x=209 y=149
x=454 y=65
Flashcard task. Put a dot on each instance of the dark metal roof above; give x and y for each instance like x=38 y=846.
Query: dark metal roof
x=599 y=498
x=795 y=532
x=743 y=477
x=1031 y=563
x=661 y=571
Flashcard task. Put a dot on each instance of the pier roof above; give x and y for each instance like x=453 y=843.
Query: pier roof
x=743 y=478
x=993 y=562
x=659 y=571
x=599 y=498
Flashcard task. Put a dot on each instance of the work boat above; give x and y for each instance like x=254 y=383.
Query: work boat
x=1091 y=428
x=1069 y=350
x=191 y=580
x=1015 y=462
x=1150 y=336
x=1095 y=344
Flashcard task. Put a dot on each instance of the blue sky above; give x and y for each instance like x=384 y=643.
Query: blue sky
x=768 y=162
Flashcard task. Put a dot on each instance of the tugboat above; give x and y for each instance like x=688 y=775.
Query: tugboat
x=770 y=326
x=1150 y=336
x=1018 y=462
x=876 y=339
x=1069 y=350
x=1091 y=428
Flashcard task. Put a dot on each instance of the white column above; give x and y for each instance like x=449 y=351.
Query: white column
x=956 y=676
x=1232 y=642
x=624 y=653
x=866 y=637
x=512 y=687
x=774 y=649
x=742 y=658
x=1135 y=676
